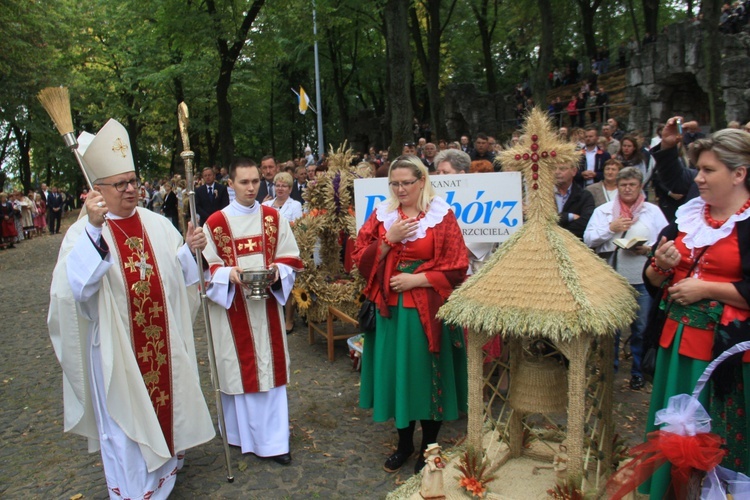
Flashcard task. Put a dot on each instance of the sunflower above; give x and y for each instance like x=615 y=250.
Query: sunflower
x=302 y=297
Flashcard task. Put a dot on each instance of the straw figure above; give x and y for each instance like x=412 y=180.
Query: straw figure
x=432 y=474
x=545 y=287
x=329 y=216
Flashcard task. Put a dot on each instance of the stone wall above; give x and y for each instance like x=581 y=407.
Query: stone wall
x=668 y=78
x=665 y=79
x=469 y=110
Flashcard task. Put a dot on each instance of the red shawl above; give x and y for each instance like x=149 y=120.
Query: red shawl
x=445 y=271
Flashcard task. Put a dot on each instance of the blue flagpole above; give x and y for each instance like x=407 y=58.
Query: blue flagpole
x=319 y=113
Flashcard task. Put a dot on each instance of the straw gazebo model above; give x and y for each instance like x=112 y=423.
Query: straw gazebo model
x=543 y=286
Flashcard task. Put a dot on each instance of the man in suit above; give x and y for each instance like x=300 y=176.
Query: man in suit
x=211 y=196
x=55 y=206
x=300 y=183
x=268 y=170
x=591 y=166
x=466 y=144
x=481 y=149
x=574 y=204
x=430 y=150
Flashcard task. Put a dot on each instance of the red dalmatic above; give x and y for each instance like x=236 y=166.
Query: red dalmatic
x=231 y=249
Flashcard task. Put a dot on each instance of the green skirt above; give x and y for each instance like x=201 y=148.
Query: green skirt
x=403 y=380
x=677 y=374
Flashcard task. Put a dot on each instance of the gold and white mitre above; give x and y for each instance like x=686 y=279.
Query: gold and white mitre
x=106 y=153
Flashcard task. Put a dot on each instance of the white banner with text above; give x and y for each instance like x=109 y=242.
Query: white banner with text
x=488 y=206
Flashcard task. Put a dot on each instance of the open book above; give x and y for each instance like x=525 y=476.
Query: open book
x=628 y=243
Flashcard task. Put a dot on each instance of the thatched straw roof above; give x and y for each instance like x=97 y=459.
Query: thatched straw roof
x=543 y=281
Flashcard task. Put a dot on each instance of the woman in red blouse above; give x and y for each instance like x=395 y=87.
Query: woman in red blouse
x=702 y=265
x=412 y=254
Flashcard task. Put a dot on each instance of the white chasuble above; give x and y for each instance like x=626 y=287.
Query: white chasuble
x=96 y=304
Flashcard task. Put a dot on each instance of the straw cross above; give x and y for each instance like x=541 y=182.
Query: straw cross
x=537 y=155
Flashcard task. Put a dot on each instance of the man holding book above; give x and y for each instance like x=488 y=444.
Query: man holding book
x=624 y=230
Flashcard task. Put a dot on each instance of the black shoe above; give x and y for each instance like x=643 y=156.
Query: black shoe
x=284 y=459
x=419 y=465
x=396 y=461
x=636 y=382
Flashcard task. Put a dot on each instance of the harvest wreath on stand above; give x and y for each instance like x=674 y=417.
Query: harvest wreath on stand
x=328 y=221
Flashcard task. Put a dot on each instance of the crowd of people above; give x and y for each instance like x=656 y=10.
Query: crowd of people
x=667 y=213
x=734 y=16
x=26 y=216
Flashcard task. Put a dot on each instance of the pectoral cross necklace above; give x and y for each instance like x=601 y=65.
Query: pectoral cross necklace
x=137 y=244
x=143 y=266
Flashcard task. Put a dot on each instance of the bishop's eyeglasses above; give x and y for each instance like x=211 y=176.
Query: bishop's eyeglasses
x=122 y=186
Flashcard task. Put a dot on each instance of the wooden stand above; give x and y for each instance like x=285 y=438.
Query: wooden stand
x=333 y=314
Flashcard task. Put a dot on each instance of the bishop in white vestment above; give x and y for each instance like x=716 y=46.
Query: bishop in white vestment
x=121 y=313
x=249 y=335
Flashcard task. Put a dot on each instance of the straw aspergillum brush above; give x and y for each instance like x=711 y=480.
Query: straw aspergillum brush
x=56 y=101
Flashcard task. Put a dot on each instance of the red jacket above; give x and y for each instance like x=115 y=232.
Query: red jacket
x=445 y=271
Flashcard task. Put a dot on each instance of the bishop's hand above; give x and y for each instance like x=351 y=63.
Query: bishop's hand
x=96 y=208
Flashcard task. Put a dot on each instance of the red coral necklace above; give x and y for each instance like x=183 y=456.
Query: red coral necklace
x=716 y=224
x=420 y=215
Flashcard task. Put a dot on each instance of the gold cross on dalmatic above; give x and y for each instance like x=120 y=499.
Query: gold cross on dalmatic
x=250 y=245
x=120 y=147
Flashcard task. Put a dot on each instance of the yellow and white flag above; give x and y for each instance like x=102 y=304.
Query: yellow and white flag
x=304 y=101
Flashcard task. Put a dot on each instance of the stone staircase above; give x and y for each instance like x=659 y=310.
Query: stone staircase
x=613 y=82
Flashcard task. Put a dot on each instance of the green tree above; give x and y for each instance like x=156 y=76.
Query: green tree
x=651 y=16
x=232 y=26
x=588 y=10
x=486 y=14
x=546 y=50
x=399 y=81
x=27 y=63
x=425 y=16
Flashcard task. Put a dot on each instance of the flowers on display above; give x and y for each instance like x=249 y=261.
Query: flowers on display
x=476 y=472
x=302 y=297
